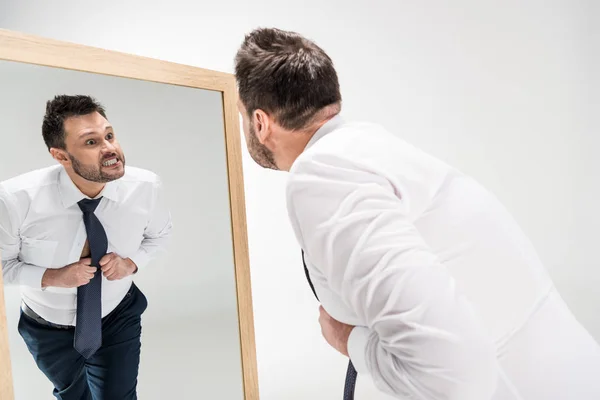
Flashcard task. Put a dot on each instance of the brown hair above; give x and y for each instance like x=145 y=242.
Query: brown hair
x=285 y=75
x=58 y=110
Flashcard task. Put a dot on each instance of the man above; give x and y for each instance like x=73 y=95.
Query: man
x=73 y=236
x=426 y=282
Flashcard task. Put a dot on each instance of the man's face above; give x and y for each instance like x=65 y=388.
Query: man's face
x=92 y=148
x=258 y=151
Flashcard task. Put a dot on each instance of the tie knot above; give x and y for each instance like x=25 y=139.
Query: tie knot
x=89 y=205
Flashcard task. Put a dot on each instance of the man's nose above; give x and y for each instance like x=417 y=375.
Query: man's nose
x=109 y=147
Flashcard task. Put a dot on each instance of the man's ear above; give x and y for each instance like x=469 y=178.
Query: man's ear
x=262 y=125
x=59 y=155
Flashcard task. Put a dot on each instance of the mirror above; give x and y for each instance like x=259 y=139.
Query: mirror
x=172 y=297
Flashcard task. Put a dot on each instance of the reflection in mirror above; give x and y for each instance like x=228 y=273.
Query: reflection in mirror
x=115 y=235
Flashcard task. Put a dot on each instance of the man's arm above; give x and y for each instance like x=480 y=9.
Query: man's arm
x=157 y=232
x=14 y=271
x=422 y=339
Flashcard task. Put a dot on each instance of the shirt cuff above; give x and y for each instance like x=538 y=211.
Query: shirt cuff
x=141 y=259
x=31 y=276
x=357 y=345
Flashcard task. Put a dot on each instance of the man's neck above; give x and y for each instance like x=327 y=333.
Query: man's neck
x=88 y=188
x=304 y=139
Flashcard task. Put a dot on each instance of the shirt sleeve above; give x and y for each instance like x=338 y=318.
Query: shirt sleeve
x=157 y=232
x=14 y=271
x=421 y=338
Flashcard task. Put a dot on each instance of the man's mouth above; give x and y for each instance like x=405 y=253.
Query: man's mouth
x=111 y=162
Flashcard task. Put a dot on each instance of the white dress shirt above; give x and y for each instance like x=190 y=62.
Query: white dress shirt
x=41 y=227
x=449 y=298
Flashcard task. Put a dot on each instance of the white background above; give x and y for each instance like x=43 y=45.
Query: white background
x=507 y=91
x=190 y=334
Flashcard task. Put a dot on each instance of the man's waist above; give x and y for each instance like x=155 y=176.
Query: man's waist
x=61 y=308
x=39 y=319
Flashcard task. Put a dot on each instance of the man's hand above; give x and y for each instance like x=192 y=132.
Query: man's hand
x=73 y=275
x=335 y=332
x=115 y=267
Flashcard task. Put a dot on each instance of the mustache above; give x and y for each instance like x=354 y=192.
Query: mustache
x=106 y=157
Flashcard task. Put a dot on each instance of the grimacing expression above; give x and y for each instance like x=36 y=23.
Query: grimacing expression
x=93 y=149
x=258 y=151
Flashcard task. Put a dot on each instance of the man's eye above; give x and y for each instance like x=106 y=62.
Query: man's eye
x=90 y=142
x=109 y=136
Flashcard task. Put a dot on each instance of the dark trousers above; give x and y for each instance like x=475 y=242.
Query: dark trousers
x=111 y=374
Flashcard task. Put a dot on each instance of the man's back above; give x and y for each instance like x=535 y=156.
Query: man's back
x=543 y=353
x=542 y=349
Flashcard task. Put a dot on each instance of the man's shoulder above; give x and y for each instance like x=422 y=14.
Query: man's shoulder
x=362 y=152
x=32 y=179
x=370 y=144
x=352 y=142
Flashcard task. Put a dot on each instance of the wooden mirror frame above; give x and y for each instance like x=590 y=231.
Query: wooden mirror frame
x=24 y=48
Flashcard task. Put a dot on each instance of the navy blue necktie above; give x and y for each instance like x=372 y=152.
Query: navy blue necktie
x=88 y=329
x=351 y=373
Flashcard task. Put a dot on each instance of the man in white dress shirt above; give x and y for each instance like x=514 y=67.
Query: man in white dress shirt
x=426 y=282
x=47 y=244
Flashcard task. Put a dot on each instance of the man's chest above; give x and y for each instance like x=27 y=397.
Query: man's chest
x=53 y=239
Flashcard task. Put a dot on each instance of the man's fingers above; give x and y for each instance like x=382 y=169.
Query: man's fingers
x=106 y=259
x=108 y=268
x=112 y=276
x=110 y=272
x=321 y=313
x=86 y=261
x=90 y=270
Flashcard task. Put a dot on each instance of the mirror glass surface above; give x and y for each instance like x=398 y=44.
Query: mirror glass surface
x=190 y=344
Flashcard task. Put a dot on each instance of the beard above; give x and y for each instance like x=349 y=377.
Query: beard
x=259 y=152
x=95 y=173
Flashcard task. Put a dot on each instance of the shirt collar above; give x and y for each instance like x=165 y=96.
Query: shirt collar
x=71 y=195
x=326 y=128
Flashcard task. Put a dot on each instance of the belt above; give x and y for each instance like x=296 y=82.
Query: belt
x=34 y=316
